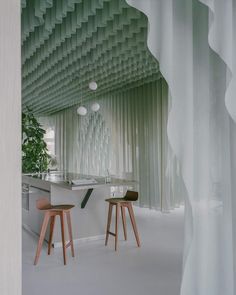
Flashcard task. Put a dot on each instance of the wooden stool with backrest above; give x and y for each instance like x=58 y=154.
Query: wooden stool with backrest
x=50 y=213
x=121 y=204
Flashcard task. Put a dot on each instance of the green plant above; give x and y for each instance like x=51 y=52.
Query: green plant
x=35 y=156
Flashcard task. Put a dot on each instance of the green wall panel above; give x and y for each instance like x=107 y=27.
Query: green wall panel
x=68 y=43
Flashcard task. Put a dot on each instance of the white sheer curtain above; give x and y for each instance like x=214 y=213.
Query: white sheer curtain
x=139 y=144
x=127 y=137
x=200 y=130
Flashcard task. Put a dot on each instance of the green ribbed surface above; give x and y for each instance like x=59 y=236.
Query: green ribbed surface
x=68 y=43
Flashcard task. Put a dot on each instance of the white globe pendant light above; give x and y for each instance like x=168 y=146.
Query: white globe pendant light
x=93 y=85
x=82 y=111
x=95 y=107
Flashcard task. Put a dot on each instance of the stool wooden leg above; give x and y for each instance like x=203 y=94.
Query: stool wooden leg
x=70 y=233
x=108 y=222
x=131 y=214
x=124 y=221
x=41 y=237
x=116 y=226
x=63 y=236
x=52 y=222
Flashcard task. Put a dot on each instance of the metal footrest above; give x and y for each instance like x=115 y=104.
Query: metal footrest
x=68 y=245
x=110 y=233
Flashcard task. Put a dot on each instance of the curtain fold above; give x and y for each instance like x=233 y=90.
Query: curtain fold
x=222 y=39
x=128 y=138
x=140 y=149
x=195 y=48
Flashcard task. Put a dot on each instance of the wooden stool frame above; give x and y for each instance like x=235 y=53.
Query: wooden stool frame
x=50 y=213
x=120 y=206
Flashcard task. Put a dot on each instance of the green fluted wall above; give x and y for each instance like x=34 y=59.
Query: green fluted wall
x=67 y=43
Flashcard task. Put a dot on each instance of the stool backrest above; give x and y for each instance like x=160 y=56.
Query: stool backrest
x=43 y=203
x=131 y=196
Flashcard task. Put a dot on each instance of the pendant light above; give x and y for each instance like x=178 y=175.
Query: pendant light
x=95 y=107
x=93 y=86
x=81 y=110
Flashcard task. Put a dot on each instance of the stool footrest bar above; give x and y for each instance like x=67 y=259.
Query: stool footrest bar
x=110 y=233
x=68 y=244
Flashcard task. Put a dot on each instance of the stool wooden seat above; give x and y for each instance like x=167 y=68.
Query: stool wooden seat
x=121 y=204
x=50 y=213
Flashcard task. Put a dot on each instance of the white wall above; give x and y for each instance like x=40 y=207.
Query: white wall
x=10 y=165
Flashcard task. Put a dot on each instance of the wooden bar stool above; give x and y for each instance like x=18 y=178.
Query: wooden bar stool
x=121 y=204
x=50 y=213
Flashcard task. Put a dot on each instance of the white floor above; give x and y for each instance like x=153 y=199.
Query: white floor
x=155 y=268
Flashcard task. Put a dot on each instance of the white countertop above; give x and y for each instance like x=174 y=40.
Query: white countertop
x=64 y=180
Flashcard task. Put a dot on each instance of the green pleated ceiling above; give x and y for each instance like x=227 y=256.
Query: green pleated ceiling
x=68 y=43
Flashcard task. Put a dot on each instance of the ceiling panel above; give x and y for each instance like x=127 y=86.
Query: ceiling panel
x=68 y=43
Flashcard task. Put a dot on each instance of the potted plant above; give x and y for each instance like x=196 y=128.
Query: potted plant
x=35 y=157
